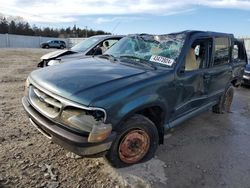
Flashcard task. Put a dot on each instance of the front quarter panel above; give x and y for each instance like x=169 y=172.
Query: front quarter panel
x=158 y=91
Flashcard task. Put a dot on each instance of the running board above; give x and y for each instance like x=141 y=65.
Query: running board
x=188 y=116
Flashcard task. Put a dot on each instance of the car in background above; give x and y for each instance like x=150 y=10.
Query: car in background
x=246 y=75
x=239 y=59
x=95 y=45
x=53 y=44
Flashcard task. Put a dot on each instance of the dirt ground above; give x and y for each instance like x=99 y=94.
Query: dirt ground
x=210 y=150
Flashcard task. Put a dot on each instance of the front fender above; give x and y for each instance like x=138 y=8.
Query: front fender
x=135 y=105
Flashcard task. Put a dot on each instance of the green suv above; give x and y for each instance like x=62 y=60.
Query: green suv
x=121 y=103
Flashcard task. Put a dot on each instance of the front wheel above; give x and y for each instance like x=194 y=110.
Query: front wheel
x=137 y=140
x=224 y=105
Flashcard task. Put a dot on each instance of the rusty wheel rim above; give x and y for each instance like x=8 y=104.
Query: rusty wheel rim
x=134 y=146
x=228 y=100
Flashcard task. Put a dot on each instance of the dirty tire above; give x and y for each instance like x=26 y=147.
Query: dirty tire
x=225 y=102
x=47 y=47
x=61 y=47
x=137 y=132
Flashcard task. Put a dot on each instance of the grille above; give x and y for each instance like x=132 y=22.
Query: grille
x=44 y=103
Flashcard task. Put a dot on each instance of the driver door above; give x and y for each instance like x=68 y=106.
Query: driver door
x=191 y=83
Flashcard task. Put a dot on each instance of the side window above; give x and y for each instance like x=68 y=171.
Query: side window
x=112 y=42
x=196 y=56
x=109 y=43
x=222 y=47
x=105 y=45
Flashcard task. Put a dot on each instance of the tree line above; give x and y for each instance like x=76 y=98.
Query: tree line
x=20 y=27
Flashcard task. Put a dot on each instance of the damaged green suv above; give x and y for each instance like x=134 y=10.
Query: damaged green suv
x=121 y=103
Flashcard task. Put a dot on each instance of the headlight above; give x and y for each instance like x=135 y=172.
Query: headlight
x=88 y=121
x=76 y=119
x=54 y=62
x=26 y=87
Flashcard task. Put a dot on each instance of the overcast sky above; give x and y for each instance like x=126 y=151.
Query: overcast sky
x=135 y=16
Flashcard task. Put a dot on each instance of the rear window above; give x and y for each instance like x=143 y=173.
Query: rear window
x=222 y=47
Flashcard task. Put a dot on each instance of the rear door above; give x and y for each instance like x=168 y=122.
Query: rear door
x=56 y=44
x=52 y=44
x=220 y=72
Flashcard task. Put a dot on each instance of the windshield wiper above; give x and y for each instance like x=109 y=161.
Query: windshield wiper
x=141 y=61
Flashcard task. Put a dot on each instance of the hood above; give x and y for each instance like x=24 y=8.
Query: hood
x=56 y=54
x=84 y=80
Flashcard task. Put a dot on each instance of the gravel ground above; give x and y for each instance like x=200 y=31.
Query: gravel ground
x=210 y=150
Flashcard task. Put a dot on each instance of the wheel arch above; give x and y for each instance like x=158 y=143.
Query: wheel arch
x=236 y=81
x=155 y=112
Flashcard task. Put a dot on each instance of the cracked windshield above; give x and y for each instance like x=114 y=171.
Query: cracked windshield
x=159 y=49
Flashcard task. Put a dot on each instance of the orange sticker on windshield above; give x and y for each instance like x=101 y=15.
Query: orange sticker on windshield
x=162 y=60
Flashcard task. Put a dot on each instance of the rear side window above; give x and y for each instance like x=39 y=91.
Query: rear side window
x=239 y=52
x=222 y=47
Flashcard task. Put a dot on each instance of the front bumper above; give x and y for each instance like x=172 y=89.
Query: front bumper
x=73 y=142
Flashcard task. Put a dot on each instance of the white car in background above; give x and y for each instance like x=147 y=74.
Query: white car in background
x=95 y=45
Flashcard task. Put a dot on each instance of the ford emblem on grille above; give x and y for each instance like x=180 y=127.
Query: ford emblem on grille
x=42 y=98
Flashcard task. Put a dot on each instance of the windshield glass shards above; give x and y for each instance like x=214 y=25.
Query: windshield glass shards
x=156 y=49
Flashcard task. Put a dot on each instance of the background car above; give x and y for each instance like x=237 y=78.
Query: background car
x=239 y=58
x=95 y=45
x=246 y=75
x=53 y=44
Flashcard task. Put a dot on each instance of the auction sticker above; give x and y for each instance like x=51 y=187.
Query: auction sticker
x=162 y=60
